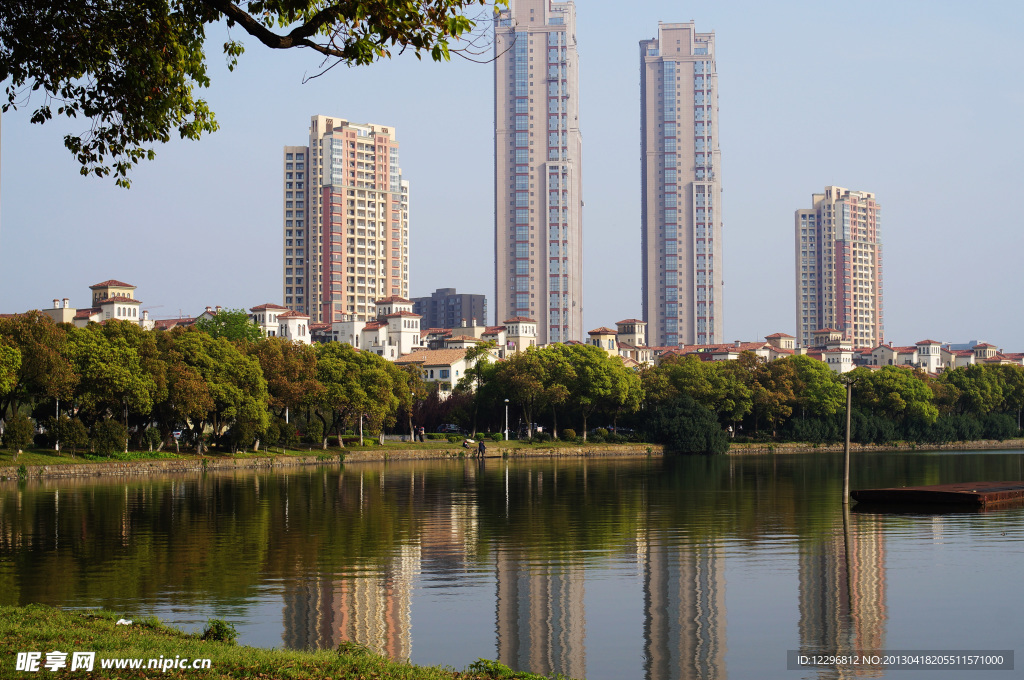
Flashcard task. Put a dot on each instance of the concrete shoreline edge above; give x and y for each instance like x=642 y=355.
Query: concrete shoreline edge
x=202 y=464
x=332 y=457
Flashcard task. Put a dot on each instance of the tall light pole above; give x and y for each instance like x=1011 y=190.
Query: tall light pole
x=848 y=381
x=506 y=420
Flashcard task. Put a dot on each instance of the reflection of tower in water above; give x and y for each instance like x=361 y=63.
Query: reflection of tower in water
x=842 y=595
x=372 y=609
x=684 y=611
x=540 y=616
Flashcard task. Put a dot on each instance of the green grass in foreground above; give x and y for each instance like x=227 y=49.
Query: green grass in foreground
x=38 y=628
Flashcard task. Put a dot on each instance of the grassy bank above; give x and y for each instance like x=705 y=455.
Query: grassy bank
x=38 y=628
x=46 y=457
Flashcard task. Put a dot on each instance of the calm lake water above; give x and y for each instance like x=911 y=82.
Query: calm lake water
x=693 y=567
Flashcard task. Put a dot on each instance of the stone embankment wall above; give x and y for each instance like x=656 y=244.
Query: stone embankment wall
x=795 y=447
x=187 y=465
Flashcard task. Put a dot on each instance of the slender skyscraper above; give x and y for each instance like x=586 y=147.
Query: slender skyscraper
x=346 y=221
x=839 y=267
x=537 y=188
x=681 y=208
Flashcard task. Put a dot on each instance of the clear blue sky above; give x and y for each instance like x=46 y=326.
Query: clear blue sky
x=919 y=102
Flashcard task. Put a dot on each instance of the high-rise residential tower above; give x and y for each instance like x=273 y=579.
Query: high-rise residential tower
x=839 y=267
x=681 y=207
x=346 y=221
x=538 y=196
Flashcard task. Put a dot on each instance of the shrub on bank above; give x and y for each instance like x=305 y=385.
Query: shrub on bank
x=18 y=432
x=568 y=434
x=684 y=426
x=108 y=437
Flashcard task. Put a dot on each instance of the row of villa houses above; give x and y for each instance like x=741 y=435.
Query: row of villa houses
x=395 y=334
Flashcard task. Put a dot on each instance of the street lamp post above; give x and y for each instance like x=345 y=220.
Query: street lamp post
x=506 y=420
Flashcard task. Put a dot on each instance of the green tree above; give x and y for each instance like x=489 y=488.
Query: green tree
x=684 y=426
x=417 y=391
x=69 y=433
x=979 y=388
x=111 y=380
x=233 y=324
x=817 y=388
x=108 y=437
x=895 y=393
x=599 y=381
x=18 y=432
x=10 y=362
x=478 y=358
x=773 y=395
x=133 y=67
x=337 y=371
x=521 y=379
x=212 y=384
x=1013 y=389
x=721 y=386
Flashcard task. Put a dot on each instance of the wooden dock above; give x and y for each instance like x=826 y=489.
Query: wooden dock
x=964 y=494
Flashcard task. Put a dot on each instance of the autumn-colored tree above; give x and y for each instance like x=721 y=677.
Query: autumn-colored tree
x=46 y=370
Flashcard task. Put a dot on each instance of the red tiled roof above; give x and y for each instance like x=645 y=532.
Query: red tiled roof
x=494 y=330
x=433 y=357
x=724 y=347
x=402 y=313
x=962 y=352
x=319 y=326
x=984 y=344
x=618 y=323
x=825 y=330
x=167 y=324
x=111 y=282
x=462 y=338
x=781 y=350
x=266 y=306
x=519 y=319
x=603 y=330
x=393 y=298
x=905 y=350
x=374 y=325
x=927 y=342
x=778 y=335
x=86 y=313
x=292 y=314
x=119 y=298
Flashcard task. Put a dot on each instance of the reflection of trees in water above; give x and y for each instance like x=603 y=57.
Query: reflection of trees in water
x=337 y=538
x=842 y=594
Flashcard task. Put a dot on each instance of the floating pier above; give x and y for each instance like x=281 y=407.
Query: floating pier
x=963 y=494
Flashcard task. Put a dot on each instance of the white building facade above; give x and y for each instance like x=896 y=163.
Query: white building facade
x=538 y=195
x=681 y=190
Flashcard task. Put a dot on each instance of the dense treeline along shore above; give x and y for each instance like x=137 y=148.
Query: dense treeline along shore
x=110 y=388
x=44 y=630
